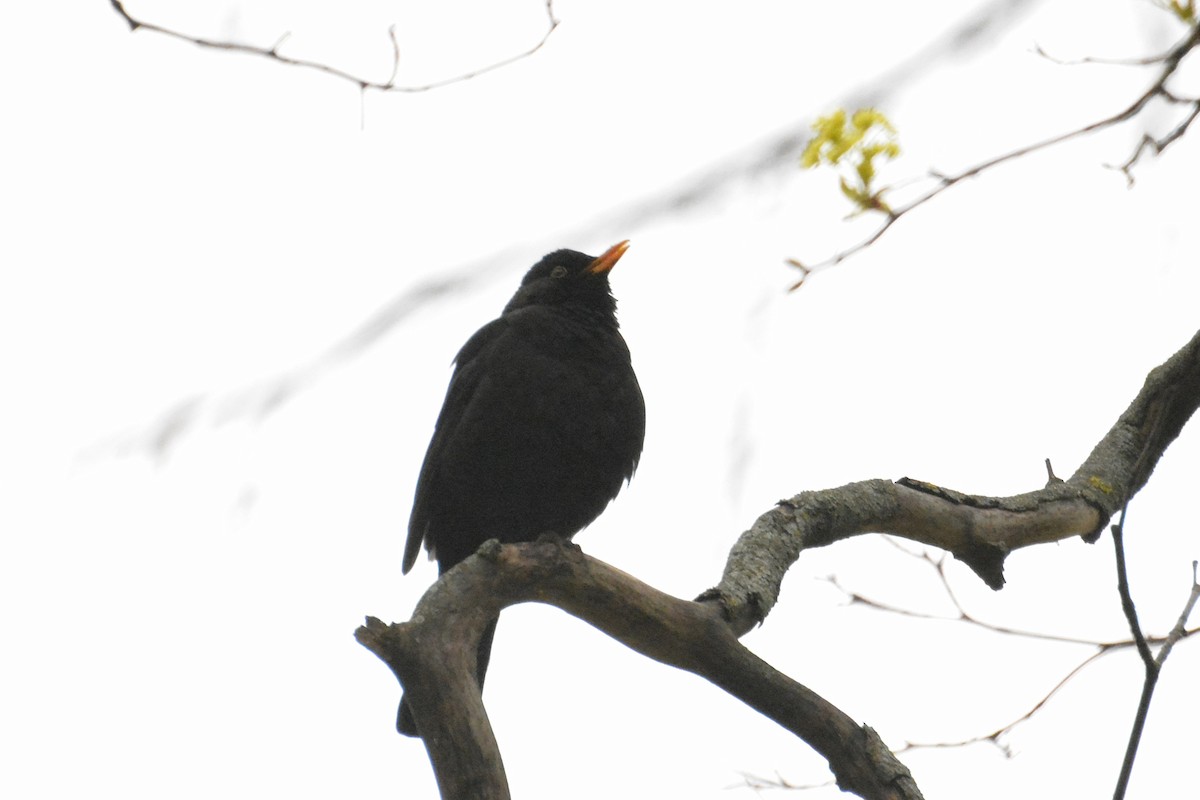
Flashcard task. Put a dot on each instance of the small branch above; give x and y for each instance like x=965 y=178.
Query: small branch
x=1181 y=630
x=391 y=81
x=1158 y=89
x=363 y=83
x=755 y=782
x=1148 y=142
x=1143 y=61
x=1127 y=598
x=1152 y=665
x=855 y=598
x=994 y=736
x=1099 y=650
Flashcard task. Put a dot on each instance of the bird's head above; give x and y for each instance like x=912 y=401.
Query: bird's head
x=570 y=278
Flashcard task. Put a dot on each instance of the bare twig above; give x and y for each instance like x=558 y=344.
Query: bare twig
x=1158 y=89
x=994 y=736
x=1148 y=142
x=758 y=783
x=856 y=598
x=391 y=81
x=1126 y=597
x=1153 y=665
x=1142 y=61
x=1181 y=629
x=1099 y=650
x=389 y=85
x=1152 y=669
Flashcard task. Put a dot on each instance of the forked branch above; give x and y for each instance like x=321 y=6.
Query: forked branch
x=431 y=657
x=1153 y=664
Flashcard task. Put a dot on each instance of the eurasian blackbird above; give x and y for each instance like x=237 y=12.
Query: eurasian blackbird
x=541 y=426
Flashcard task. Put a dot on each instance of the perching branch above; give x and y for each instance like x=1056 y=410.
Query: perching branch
x=431 y=657
x=389 y=85
x=1169 y=63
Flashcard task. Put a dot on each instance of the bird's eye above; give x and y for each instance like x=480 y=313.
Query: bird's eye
x=558 y=272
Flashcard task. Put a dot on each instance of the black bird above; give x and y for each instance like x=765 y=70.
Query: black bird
x=542 y=424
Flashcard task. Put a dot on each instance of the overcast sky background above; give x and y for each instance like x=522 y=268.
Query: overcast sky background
x=192 y=241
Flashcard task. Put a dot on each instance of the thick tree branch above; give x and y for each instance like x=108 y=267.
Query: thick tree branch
x=431 y=659
x=980 y=531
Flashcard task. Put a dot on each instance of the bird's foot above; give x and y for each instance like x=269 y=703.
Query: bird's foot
x=550 y=537
x=490 y=550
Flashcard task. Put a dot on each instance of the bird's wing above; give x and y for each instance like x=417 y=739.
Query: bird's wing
x=463 y=384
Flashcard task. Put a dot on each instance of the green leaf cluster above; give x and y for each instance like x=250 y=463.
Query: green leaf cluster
x=853 y=146
x=1185 y=10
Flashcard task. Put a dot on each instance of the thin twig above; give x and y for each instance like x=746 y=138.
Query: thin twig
x=1170 y=63
x=756 y=782
x=1153 y=665
x=1101 y=649
x=1148 y=142
x=1143 y=61
x=391 y=81
x=1126 y=597
x=363 y=83
x=1180 y=630
x=1152 y=669
x=994 y=736
x=856 y=598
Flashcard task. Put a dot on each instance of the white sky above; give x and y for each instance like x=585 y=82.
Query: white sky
x=182 y=224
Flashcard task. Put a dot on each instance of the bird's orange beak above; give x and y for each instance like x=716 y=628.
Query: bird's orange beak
x=609 y=259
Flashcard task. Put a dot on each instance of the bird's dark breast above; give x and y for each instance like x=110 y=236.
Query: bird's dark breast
x=545 y=440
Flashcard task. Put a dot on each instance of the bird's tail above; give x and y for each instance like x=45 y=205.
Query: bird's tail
x=405 y=723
